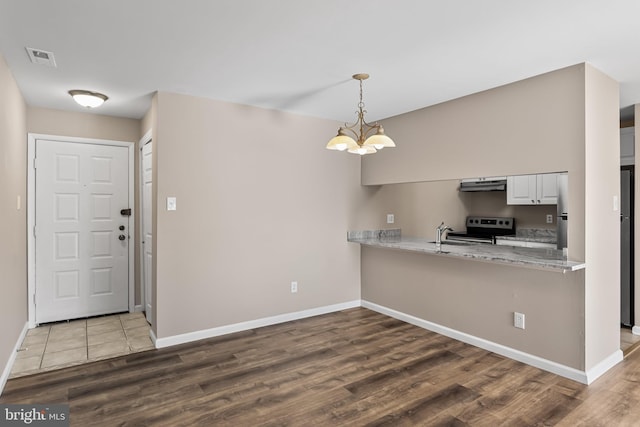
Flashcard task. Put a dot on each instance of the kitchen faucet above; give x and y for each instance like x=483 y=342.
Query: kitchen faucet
x=439 y=230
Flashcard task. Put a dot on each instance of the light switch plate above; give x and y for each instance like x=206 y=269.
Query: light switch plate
x=518 y=320
x=391 y=218
x=171 y=203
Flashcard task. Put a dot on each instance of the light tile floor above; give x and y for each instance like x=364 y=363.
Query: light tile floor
x=71 y=343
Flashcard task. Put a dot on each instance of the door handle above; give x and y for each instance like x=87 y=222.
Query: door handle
x=121 y=237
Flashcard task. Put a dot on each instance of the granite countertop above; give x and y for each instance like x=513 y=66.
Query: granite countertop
x=538 y=235
x=545 y=259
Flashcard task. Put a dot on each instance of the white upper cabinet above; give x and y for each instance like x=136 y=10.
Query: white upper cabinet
x=547 y=189
x=521 y=190
x=540 y=189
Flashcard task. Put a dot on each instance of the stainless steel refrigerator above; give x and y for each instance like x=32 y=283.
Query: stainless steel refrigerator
x=626 y=245
x=562 y=221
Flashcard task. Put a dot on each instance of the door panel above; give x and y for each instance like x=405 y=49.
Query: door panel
x=81 y=264
x=147 y=239
x=521 y=189
x=547 y=191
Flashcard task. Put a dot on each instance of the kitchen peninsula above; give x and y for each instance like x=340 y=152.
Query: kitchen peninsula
x=565 y=120
x=545 y=259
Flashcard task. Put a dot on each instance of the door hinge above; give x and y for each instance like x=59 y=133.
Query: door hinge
x=34 y=231
x=34 y=299
x=35 y=163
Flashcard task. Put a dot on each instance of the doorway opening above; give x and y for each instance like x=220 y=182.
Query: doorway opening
x=626 y=246
x=146 y=223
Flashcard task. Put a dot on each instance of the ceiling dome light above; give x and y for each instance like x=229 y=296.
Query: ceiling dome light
x=87 y=98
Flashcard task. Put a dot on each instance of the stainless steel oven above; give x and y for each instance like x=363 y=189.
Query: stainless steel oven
x=482 y=229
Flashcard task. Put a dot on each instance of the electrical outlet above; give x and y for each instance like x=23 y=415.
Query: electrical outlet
x=549 y=219
x=390 y=218
x=518 y=320
x=294 y=287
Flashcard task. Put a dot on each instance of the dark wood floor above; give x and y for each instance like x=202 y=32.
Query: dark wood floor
x=355 y=367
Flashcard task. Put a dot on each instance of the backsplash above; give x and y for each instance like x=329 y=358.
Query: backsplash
x=393 y=233
x=536 y=233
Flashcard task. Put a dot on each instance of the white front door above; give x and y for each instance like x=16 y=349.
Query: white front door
x=81 y=237
x=147 y=236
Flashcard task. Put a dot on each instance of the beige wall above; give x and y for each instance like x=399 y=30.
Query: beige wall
x=536 y=125
x=13 y=226
x=260 y=203
x=85 y=125
x=479 y=299
x=530 y=126
x=602 y=221
x=147 y=122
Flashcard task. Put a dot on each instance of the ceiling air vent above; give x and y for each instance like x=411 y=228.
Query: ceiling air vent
x=41 y=57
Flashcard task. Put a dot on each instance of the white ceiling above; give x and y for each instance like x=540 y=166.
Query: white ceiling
x=299 y=55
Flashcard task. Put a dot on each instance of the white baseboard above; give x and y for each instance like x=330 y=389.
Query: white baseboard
x=138 y=308
x=12 y=358
x=251 y=324
x=153 y=338
x=635 y=330
x=602 y=367
x=530 y=359
x=520 y=356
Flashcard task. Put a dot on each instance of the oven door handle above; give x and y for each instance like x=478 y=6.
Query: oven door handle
x=490 y=240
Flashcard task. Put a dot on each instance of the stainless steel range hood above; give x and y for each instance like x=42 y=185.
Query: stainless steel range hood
x=496 y=183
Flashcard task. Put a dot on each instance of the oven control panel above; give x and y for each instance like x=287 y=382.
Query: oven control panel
x=491 y=222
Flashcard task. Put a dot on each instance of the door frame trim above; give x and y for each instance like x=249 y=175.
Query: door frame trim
x=31 y=213
x=148 y=137
x=632 y=212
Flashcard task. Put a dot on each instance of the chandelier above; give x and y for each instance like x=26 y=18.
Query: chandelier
x=367 y=139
